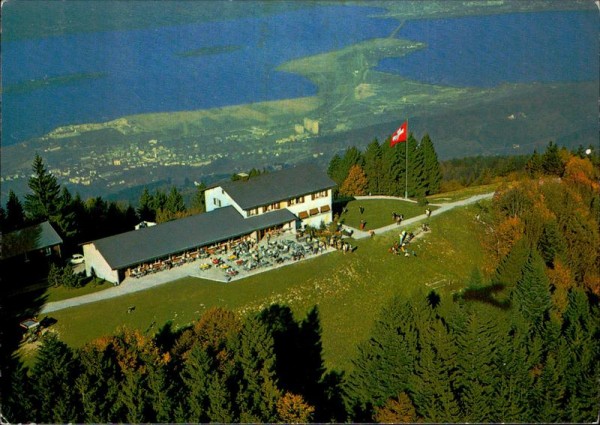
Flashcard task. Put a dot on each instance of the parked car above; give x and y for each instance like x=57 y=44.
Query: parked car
x=77 y=259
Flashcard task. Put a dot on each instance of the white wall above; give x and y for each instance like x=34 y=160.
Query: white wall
x=309 y=204
x=95 y=260
x=223 y=200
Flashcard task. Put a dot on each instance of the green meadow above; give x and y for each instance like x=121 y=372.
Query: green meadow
x=349 y=289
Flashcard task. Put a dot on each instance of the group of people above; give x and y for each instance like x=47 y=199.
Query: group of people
x=399 y=247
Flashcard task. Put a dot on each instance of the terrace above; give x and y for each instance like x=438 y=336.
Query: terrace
x=235 y=260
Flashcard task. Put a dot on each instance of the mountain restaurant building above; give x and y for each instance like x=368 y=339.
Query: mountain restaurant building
x=236 y=211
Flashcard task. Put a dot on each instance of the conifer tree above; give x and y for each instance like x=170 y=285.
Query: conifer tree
x=532 y=293
x=197 y=376
x=18 y=400
x=432 y=174
x=199 y=201
x=174 y=203
x=510 y=270
x=97 y=384
x=334 y=169
x=516 y=356
x=311 y=367
x=66 y=218
x=374 y=167
x=15 y=216
x=386 y=361
x=220 y=407
x=416 y=173
x=43 y=202
x=534 y=166
x=476 y=374
x=551 y=161
x=582 y=335
x=53 y=379
x=551 y=243
x=432 y=384
x=393 y=166
x=145 y=209
x=258 y=392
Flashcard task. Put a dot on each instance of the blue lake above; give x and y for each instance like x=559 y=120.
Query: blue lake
x=144 y=73
x=486 y=51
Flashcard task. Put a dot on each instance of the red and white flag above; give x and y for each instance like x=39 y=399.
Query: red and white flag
x=400 y=135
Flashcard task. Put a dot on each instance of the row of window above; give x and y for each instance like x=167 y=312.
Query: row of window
x=290 y=202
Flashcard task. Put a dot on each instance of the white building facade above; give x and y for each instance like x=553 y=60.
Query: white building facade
x=305 y=191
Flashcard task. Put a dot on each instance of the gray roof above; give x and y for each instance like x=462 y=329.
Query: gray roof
x=138 y=246
x=277 y=186
x=29 y=239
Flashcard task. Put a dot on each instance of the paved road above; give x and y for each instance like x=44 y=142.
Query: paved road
x=134 y=285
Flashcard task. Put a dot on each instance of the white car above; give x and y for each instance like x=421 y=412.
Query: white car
x=77 y=259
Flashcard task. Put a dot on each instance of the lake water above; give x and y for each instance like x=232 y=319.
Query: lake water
x=486 y=51
x=142 y=71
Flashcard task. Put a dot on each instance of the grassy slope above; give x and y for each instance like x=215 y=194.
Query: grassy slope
x=350 y=290
x=378 y=212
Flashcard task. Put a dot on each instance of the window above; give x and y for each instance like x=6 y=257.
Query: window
x=294 y=201
x=253 y=211
x=321 y=194
x=273 y=206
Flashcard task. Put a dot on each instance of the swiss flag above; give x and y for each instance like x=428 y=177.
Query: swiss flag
x=400 y=134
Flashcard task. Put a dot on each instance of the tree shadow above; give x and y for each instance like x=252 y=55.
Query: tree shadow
x=299 y=361
x=487 y=294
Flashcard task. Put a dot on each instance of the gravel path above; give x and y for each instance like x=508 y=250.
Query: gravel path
x=132 y=285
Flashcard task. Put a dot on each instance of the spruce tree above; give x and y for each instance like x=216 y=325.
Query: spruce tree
x=510 y=270
x=432 y=174
x=393 y=166
x=197 y=376
x=145 y=209
x=581 y=332
x=386 y=361
x=43 y=203
x=66 y=218
x=432 y=384
x=534 y=166
x=476 y=373
x=551 y=162
x=551 y=243
x=174 y=203
x=374 y=167
x=334 y=169
x=97 y=384
x=416 y=173
x=53 y=381
x=15 y=216
x=532 y=293
x=199 y=201
x=18 y=399
x=258 y=392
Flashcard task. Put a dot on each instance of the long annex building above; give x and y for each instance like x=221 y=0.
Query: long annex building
x=236 y=210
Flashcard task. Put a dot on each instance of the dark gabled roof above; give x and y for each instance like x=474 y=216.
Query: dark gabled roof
x=138 y=246
x=29 y=239
x=277 y=186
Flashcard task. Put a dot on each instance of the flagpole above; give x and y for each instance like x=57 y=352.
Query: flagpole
x=406 y=167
